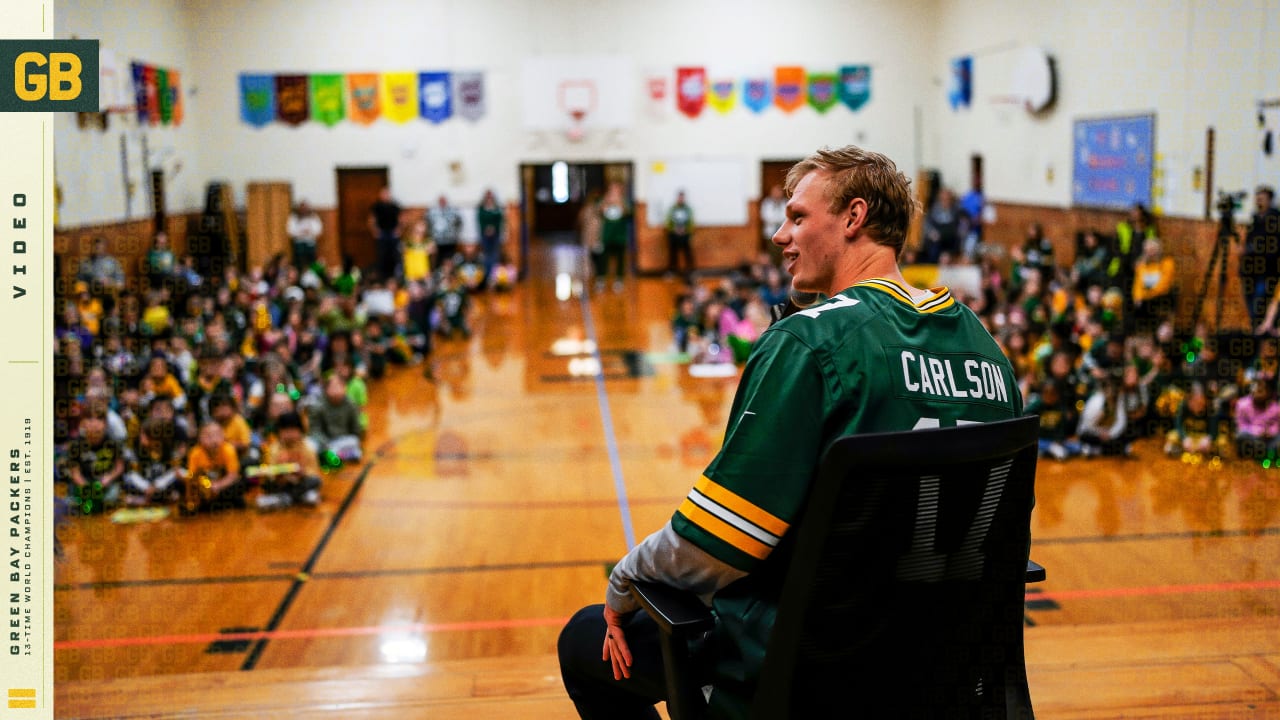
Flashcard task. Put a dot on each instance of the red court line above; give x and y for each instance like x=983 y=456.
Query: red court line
x=419 y=628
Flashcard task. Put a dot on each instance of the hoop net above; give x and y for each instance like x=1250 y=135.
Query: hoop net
x=577 y=98
x=575 y=132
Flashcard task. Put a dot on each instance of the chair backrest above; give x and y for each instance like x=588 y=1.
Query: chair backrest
x=903 y=593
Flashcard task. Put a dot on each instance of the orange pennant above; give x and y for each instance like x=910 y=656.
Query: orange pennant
x=366 y=103
x=789 y=88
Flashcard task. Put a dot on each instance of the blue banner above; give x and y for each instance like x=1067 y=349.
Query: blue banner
x=258 y=99
x=855 y=86
x=1113 y=161
x=960 y=93
x=435 y=96
x=757 y=94
x=140 y=90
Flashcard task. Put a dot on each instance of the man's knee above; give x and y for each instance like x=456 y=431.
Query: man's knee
x=585 y=624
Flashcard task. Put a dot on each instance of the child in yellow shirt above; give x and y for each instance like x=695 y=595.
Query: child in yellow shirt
x=235 y=429
x=213 y=479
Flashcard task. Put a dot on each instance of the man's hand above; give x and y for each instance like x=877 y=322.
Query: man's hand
x=615 y=645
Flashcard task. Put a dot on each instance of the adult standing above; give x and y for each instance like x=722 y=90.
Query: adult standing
x=1260 y=255
x=773 y=212
x=489 y=218
x=446 y=229
x=945 y=226
x=304 y=228
x=102 y=272
x=615 y=232
x=384 y=223
x=159 y=264
x=589 y=222
x=852 y=364
x=1130 y=234
x=679 y=235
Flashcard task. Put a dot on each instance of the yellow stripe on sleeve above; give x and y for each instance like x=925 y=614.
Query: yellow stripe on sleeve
x=741 y=507
x=724 y=530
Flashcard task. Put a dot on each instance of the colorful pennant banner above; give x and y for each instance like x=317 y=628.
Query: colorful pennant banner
x=757 y=94
x=722 y=94
x=855 y=86
x=400 y=96
x=468 y=89
x=691 y=90
x=293 y=106
x=365 y=106
x=436 y=96
x=328 y=106
x=822 y=91
x=789 y=88
x=157 y=94
x=257 y=99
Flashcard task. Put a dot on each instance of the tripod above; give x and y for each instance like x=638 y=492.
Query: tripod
x=1218 y=261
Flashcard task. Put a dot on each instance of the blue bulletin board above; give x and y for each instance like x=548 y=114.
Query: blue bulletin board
x=1112 y=161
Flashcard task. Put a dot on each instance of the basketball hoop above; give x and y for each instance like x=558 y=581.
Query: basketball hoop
x=577 y=98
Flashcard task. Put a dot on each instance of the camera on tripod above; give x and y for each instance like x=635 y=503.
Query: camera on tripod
x=1229 y=203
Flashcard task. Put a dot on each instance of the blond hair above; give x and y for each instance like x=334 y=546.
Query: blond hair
x=858 y=173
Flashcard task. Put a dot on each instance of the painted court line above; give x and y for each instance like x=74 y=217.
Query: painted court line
x=611 y=440
x=478 y=625
x=1157 y=590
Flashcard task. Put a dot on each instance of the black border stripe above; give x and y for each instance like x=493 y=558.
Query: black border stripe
x=301 y=578
x=340 y=575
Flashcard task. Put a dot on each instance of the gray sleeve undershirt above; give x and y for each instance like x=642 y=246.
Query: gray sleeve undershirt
x=667 y=558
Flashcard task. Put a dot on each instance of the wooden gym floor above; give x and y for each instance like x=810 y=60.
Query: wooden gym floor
x=434 y=578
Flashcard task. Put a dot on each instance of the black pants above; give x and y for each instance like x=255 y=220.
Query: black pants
x=615 y=255
x=304 y=255
x=589 y=680
x=678 y=244
x=297 y=490
x=388 y=255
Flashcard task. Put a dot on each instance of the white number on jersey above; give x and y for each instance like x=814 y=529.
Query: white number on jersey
x=837 y=302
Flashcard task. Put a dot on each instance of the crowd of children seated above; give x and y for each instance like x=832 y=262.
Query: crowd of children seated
x=203 y=393
x=1101 y=360
x=1093 y=339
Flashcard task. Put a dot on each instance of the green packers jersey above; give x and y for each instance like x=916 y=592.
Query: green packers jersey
x=870 y=359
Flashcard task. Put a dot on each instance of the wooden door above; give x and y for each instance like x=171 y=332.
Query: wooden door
x=266 y=222
x=357 y=192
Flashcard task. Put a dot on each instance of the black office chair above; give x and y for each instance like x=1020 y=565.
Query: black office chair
x=904 y=584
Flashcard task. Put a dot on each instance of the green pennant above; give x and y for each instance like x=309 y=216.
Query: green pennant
x=328 y=106
x=163 y=96
x=822 y=91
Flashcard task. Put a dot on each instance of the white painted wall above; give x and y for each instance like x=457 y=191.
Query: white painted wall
x=88 y=163
x=1194 y=63
x=225 y=38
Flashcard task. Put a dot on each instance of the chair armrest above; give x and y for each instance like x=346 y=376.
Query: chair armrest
x=677 y=612
x=1035 y=572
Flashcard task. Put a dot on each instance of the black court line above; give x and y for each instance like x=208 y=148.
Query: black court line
x=163 y=582
x=1143 y=537
x=338 y=575
x=301 y=578
x=501 y=567
x=293 y=577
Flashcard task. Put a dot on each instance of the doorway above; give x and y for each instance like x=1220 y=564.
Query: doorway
x=552 y=196
x=772 y=172
x=358 y=189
